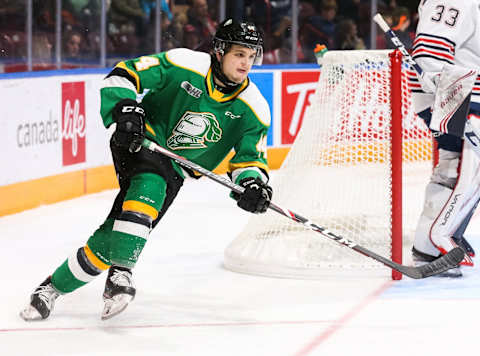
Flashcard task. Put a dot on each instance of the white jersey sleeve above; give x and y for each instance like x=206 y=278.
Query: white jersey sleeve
x=447 y=32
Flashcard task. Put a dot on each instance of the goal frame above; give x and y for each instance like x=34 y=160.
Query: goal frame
x=396 y=139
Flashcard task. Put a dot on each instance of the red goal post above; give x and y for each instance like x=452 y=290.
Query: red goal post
x=358 y=166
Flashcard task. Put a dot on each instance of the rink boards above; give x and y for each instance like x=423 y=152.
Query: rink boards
x=56 y=147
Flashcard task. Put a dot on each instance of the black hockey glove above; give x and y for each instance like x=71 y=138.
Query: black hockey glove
x=130 y=119
x=256 y=197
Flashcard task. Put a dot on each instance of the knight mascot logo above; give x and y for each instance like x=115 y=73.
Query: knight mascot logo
x=193 y=129
x=73 y=123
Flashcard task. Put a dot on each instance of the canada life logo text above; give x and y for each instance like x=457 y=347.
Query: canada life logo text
x=73 y=123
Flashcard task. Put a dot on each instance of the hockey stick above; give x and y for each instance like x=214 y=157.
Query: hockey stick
x=470 y=132
x=441 y=264
x=399 y=45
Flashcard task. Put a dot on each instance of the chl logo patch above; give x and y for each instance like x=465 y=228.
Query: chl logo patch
x=193 y=129
x=191 y=90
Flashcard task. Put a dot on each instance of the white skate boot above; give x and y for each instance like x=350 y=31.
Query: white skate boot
x=42 y=302
x=119 y=291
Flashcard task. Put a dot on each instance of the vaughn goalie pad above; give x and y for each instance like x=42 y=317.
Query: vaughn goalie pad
x=452 y=99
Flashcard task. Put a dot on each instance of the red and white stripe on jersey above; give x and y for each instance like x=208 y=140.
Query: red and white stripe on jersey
x=432 y=46
x=413 y=83
x=476 y=87
x=415 y=87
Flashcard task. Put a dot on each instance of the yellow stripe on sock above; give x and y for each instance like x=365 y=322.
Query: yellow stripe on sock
x=94 y=260
x=139 y=207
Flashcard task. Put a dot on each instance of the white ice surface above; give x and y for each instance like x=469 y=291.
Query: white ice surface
x=188 y=304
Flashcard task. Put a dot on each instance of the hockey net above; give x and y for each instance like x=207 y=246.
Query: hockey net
x=358 y=167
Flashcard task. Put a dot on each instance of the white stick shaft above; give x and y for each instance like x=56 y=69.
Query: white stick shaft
x=381 y=22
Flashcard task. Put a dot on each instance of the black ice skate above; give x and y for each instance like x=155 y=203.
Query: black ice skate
x=42 y=302
x=463 y=243
x=119 y=291
x=420 y=258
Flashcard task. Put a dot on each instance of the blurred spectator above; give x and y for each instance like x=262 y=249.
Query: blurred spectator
x=317 y=28
x=199 y=17
x=168 y=42
x=90 y=17
x=237 y=9
x=346 y=36
x=72 y=46
x=174 y=32
x=126 y=26
x=281 y=52
x=126 y=17
x=42 y=51
x=191 y=38
x=274 y=17
x=349 y=9
x=12 y=33
x=12 y=15
x=401 y=25
x=44 y=12
x=44 y=15
x=13 y=45
x=86 y=13
x=75 y=9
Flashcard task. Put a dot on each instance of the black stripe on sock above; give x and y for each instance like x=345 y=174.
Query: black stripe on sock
x=135 y=217
x=85 y=264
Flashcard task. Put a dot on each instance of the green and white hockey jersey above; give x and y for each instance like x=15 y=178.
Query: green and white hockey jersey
x=186 y=114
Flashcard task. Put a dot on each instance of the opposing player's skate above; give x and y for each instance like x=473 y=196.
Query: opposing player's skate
x=119 y=291
x=465 y=245
x=42 y=302
x=420 y=259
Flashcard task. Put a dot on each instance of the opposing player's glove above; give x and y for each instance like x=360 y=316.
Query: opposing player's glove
x=429 y=82
x=130 y=130
x=256 y=197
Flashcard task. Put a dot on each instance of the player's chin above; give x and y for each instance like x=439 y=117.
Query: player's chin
x=240 y=77
x=239 y=80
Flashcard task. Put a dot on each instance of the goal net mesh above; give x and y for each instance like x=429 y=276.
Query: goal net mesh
x=338 y=175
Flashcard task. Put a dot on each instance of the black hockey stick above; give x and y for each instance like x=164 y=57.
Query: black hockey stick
x=441 y=264
x=470 y=132
x=399 y=45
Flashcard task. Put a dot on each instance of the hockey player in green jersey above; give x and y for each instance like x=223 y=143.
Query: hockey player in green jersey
x=196 y=104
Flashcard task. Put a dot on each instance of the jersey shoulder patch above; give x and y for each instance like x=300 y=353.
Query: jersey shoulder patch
x=254 y=99
x=198 y=62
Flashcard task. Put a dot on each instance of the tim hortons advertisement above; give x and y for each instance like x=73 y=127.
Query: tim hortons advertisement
x=297 y=89
x=73 y=123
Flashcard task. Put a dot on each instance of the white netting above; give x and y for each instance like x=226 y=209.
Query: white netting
x=337 y=174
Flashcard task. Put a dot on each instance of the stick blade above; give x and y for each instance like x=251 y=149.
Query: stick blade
x=441 y=264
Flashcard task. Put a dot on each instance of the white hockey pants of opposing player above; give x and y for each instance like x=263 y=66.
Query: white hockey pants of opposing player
x=453 y=190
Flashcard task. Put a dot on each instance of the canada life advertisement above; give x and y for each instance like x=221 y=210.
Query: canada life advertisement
x=51 y=123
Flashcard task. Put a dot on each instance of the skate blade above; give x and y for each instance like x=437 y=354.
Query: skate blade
x=30 y=314
x=115 y=305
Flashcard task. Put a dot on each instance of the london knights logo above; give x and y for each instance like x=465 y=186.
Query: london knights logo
x=193 y=129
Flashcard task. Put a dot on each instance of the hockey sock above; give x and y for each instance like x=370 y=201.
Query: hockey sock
x=86 y=263
x=131 y=229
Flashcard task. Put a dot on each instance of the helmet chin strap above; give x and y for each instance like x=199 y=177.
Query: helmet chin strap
x=218 y=74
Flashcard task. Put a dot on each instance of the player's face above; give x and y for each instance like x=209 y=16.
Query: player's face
x=237 y=62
